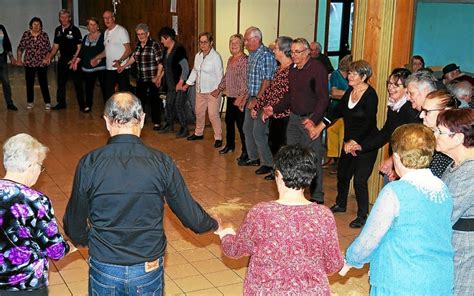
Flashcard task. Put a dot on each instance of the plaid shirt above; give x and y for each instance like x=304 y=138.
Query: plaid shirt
x=261 y=66
x=147 y=59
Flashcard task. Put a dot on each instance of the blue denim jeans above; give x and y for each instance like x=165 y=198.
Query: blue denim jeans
x=108 y=279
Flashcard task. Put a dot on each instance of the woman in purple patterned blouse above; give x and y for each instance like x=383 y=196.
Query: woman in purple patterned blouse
x=292 y=243
x=29 y=235
x=273 y=94
x=35 y=46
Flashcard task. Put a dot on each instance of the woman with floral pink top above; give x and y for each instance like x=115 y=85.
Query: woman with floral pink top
x=33 y=49
x=292 y=243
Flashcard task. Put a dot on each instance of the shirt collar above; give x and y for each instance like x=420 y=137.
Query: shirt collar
x=124 y=138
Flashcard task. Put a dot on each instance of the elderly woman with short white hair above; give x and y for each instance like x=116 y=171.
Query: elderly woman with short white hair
x=30 y=233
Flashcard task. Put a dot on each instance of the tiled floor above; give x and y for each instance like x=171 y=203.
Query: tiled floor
x=194 y=265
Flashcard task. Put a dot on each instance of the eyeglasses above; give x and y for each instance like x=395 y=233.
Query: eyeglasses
x=248 y=39
x=391 y=84
x=295 y=52
x=439 y=132
x=141 y=34
x=426 y=111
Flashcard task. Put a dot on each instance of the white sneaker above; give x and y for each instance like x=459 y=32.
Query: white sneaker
x=29 y=106
x=47 y=107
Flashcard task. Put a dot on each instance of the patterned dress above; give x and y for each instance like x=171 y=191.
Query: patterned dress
x=291 y=249
x=29 y=237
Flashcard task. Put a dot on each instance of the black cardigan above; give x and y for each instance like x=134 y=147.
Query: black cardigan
x=405 y=115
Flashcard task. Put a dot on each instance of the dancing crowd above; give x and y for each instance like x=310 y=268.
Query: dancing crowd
x=418 y=236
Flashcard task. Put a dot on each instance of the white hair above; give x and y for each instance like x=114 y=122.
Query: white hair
x=462 y=89
x=19 y=153
x=255 y=32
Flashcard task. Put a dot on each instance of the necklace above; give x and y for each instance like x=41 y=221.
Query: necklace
x=357 y=93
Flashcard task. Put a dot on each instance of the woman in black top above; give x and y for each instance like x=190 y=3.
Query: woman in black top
x=92 y=45
x=358 y=108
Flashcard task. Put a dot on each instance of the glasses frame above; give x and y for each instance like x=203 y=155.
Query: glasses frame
x=388 y=84
x=438 y=132
x=426 y=111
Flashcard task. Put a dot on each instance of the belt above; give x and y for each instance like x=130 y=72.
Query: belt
x=464 y=224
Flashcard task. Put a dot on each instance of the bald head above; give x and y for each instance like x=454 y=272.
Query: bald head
x=123 y=108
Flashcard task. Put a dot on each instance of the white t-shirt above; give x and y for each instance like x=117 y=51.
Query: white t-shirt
x=114 y=41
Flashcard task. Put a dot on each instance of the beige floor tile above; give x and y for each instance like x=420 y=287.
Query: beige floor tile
x=174 y=258
x=182 y=245
x=209 y=266
x=72 y=261
x=206 y=292
x=171 y=288
x=55 y=278
x=59 y=290
x=181 y=271
x=79 y=288
x=74 y=275
x=232 y=290
x=223 y=278
x=193 y=283
x=197 y=254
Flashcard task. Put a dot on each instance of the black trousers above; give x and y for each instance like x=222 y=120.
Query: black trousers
x=112 y=77
x=176 y=108
x=360 y=167
x=90 y=79
x=30 y=74
x=233 y=116
x=277 y=133
x=64 y=73
x=149 y=95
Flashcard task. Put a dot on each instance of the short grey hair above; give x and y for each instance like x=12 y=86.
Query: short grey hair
x=461 y=89
x=143 y=27
x=255 y=32
x=422 y=81
x=19 y=153
x=302 y=41
x=123 y=108
x=284 y=43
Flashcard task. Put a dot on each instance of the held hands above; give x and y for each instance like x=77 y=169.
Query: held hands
x=157 y=81
x=267 y=112
x=120 y=69
x=344 y=269
x=95 y=61
x=253 y=114
x=313 y=130
x=386 y=168
x=352 y=147
x=72 y=248
x=252 y=104
x=117 y=63
x=225 y=231
x=215 y=93
x=240 y=103
x=47 y=61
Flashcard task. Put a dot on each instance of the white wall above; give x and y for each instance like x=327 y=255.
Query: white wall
x=16 y=14
x=297 y=19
